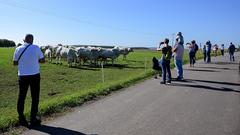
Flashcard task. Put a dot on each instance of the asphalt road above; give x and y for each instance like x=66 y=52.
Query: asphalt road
x=207 y=103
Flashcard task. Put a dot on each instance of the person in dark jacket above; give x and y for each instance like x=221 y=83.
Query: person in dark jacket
x=208 y=51
x=231 y=51
x=165 y=61
x=192 y=52
x=205 y=53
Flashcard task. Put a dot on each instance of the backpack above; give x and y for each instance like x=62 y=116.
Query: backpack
x=196 y=48
x=155 y=64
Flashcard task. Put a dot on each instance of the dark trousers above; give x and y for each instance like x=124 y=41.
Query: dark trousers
x=24 y=82
x=222 y=52
x=192 y=57
x=204 y=56
x=208 y=56
x=166 y=70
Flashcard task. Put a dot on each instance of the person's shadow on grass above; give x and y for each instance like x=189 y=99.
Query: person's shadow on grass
x=57 y=130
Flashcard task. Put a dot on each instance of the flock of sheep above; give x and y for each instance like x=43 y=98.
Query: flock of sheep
x=93 y=55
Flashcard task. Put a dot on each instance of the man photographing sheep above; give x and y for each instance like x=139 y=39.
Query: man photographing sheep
x=27 y=57
x=178 y=50
x=165 y=61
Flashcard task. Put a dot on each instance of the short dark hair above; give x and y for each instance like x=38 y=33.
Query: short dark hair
x=166 y=40
x=29 y=38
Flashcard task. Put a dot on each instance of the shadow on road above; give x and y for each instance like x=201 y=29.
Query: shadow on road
x=202 y=70
x=185 y=80
x=216 y=82
x=224 y=89
x=215 y=68
x=224 y=63
x=58 y=130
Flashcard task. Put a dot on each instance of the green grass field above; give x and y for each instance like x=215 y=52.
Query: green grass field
x=72 y=86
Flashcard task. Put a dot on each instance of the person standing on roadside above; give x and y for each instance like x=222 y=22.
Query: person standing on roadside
x=178 y=50
x=231 y=51
x=205 y=52
x=27 y=57
x=191 y=47
x=215 y=50
x=208 y=51
x=222 y=49
x=165 y=62
x=195 y=50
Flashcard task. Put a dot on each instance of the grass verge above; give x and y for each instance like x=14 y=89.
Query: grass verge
x=66 y=81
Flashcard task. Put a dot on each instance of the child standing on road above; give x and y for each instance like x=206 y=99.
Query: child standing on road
x=165 y=62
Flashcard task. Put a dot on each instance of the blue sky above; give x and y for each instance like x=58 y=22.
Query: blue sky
x=120 y=22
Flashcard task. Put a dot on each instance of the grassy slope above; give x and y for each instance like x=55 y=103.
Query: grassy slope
x=72 y=85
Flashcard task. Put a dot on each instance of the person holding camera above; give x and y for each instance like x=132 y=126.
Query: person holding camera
x=222 y=49
x=27 y=57
x=165 y=62
x=191 y=46
x=208 y=51
x=231 y=51
x=178 y=50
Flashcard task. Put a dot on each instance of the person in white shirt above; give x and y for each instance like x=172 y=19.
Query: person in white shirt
x=178 y=50
x=222 y=49
x=27 y=57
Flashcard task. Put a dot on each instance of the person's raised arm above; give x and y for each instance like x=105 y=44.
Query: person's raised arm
x=159 y=49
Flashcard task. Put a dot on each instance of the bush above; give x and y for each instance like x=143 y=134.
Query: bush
x=7 y=43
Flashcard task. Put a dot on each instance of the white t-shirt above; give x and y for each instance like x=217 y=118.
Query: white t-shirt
x=29 y=62
x=222 y=47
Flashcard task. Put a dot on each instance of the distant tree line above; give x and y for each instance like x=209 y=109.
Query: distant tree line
x=7 y=43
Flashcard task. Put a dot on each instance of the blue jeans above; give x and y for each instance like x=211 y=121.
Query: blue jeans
x=178 y=64
x=166 y=71
x=231 y=54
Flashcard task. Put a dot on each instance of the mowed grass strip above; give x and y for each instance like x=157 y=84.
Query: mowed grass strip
x=68 y=87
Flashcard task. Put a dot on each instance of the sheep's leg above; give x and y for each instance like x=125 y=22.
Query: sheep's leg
x=57 y=59
x=112 y=61
x=124 y=57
